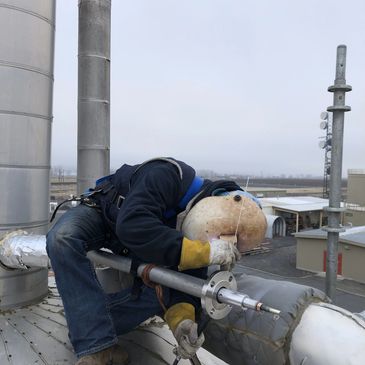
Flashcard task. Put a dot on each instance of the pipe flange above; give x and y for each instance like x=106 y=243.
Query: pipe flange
x=339 y=108
x=334 y=229
x=217 y=281
x=334 y=209
x=339 y=87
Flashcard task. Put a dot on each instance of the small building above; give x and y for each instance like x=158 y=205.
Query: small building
x=355 y=204
x=312 y=252
x=300 y=212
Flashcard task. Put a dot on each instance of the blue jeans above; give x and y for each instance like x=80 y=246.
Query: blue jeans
x=94 y=318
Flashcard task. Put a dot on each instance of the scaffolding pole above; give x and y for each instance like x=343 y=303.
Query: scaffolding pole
x=334 y=210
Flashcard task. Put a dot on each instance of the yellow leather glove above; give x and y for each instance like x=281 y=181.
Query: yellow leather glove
x=177 y=313
x=181 y=320
x=196 y=254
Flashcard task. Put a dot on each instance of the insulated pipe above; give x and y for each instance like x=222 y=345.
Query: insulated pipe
x=93 y=141
x=334 y=210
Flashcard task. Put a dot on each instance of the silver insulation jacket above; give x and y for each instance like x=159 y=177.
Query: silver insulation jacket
x=19 y=250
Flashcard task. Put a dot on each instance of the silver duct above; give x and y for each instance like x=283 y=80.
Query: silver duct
x=26 y=74
x=93 y=92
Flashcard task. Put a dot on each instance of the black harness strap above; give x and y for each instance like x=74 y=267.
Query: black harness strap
x=85 y=198
x=72 y=199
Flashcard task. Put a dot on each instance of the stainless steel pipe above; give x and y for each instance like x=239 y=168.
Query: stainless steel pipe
x=172 y=279
x=219 y=298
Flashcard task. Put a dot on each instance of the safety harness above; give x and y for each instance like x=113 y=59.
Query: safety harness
x=105 y=187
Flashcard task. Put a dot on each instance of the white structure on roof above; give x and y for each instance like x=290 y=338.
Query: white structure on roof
x=295 y=204
x=300 y=211
x=276 y=226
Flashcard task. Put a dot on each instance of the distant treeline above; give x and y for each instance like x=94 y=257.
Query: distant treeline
x=285 y=182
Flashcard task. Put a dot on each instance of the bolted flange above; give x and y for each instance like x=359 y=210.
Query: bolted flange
x=217 y=281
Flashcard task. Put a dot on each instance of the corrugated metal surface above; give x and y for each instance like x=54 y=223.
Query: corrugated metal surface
x=38 y=334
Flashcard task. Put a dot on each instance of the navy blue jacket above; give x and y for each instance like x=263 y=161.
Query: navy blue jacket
x=141 y=223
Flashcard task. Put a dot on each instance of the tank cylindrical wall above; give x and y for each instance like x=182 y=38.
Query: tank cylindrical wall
x=26 y=74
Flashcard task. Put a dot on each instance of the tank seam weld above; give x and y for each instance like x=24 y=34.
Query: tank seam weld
x=26 y=68
x=25 y=114
x=38 y=167
x=21 y=10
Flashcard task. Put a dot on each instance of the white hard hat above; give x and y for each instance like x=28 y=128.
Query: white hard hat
x=217 y=216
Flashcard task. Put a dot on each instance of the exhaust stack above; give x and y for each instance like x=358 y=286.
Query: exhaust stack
x=93 y=141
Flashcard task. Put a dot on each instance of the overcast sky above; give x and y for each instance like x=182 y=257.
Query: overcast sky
x=232 y=86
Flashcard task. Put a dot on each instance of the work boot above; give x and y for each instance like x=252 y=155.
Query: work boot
x=114 y=355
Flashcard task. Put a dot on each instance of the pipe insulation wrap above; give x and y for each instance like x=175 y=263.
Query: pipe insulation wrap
x=327 y=334
x=20 y=250
x=258 y=337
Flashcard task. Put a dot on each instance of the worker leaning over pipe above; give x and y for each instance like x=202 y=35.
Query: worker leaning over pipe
x=133 y=212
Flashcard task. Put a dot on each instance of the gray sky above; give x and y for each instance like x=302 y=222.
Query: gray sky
x=232 y=86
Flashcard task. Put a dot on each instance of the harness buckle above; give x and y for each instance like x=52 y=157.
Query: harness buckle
x=120 y=201
x=88 y=202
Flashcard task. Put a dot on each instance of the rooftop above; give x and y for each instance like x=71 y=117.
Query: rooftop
x=295 y=204
x=279 y=263
x=353 y=235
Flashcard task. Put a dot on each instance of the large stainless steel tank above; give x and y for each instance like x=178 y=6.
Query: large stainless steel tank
x=27 y=31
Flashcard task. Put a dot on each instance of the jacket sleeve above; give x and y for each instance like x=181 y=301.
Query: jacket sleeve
x=140 y=223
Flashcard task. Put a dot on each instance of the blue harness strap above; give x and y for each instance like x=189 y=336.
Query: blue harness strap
x=194 y=188
x=102 y=179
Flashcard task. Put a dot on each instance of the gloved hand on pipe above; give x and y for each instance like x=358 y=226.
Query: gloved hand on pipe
x=196 y=254
x=181 y=320
x=223 y=252
x=189 y=342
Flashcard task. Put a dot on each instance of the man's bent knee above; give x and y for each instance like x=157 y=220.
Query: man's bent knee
x=62 y=242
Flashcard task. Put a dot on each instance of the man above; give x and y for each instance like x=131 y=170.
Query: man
x=133 y=213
